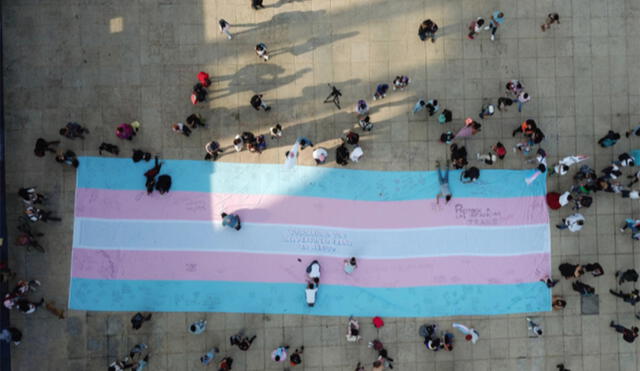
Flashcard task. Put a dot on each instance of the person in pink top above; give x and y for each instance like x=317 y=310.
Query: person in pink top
x=125 y=131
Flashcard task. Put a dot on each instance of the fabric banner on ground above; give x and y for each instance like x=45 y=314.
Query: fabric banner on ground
x=483 y=253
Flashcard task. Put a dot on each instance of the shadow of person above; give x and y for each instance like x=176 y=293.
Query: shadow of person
x=281 y=21
x=313 y=43
x=259 y=74
x=283 y=2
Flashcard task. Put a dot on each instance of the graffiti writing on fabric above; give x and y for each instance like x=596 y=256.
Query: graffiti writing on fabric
x=318 y=241
x=477 y=216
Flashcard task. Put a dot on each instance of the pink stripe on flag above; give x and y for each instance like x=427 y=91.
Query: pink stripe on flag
x=249 y=267
x=294 y=210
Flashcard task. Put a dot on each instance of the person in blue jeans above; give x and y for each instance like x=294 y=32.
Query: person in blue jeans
x=231 y=221
x=444 y=184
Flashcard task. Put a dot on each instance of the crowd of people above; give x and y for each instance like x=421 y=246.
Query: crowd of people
x=587 y=183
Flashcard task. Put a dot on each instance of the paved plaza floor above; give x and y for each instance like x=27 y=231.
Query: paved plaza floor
x=102 y=63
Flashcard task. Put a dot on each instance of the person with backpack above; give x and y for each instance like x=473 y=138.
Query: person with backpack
x=225 y=364
x=362 y=108
x=381 y=91
x=139 y=155
x=445 y=117
x=261 y=51
x=353 y=330
x=151 y=174
x=296 y=357
x=257 y=103
x=198 y=327
x=138 y=319
x=428 y=30
x=634 y=225
x=497 y=19
x=419 y=106
x=108 y=147
x=609 y=140
x=320 y=155
x=521 y=99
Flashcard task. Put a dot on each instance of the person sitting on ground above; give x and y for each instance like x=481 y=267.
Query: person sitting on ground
x=458 y=156
x=311 y=292
x=198 y=327
x=163 y=185
x=231 y=221
x=241 y=341
x=139 y=155
x=68 y=157
x=342 y=155
x=30 y=196
x=568 y=270
x=470 y=175
x=583 y=289
x=320 y=155
x=295 y=358
x=595 y=269
x=353 y=331
x=630 y=275
x=225 y=364
x=151 y=174
x=43 y=146
x=73 y=130
x=35 y=214
x=558 y=302
x=632 y=297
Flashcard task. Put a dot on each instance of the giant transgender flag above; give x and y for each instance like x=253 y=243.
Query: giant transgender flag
x=483 y=253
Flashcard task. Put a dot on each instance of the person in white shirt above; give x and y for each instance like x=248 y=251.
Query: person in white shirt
x=470 y=334
x=573 y=222
x=535 y=329
x=356 y=154
x=310 y=292
x=320 y=155
x=565 y=198
x=313 y=271
x=563 y=165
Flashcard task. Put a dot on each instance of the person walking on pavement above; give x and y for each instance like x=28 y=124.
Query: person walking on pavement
x=551 y=19
x=497 y=19
x=224 y=28
x=257 y=103
x=428 y=30
x=475 y=27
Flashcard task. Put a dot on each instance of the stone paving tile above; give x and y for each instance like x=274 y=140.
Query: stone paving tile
x=582 y=75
